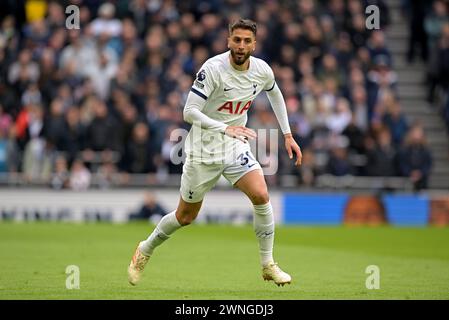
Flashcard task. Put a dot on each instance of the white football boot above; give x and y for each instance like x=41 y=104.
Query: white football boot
x=273 y=272
x=136 y=266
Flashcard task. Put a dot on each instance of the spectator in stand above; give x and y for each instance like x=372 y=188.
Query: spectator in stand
x=55 y=15
x=13 y=156
x=434 y=23
x=38 y=159
x=106 y=174
x=24 y=69
x=54 y=128
x=127 y=116
x=381 y=158
x=49 y=79
x=5 y=122
x=338 y=164
x=29 y=124
x=355 y=135
x=102 y=135
x=307 y=171
x=8 y=33
x=340 y=118
x=138 y=12
x=80 y=176
x=396 y=122
x=60 y=177
x=106 y=23
x=416 y=10
x=150 y=210
x=443 y=59
x=300 y=124
x=444 y=69
x=330 y=69
x=377 y=47
x=359 y=107
x=140 y=152
x=102 y=72
x=75 y=136
x=80 y=52
x=380 y=79
x=415 y=159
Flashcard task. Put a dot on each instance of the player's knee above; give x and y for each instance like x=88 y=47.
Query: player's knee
x=260 y=197
x=185 y=221
x=185 y=218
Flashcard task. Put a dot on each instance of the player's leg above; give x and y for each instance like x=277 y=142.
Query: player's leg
x=254 y=186
x=184 y=214
x=196 y=181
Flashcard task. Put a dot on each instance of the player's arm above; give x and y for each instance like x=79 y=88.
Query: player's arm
x=193 y=115
x=277 y=102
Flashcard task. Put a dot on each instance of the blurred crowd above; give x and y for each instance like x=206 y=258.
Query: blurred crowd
x=103 y=99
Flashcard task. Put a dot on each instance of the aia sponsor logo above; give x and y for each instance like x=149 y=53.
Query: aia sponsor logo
x=235 y=108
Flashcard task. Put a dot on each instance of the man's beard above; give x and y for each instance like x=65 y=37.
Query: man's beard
x=237 y=60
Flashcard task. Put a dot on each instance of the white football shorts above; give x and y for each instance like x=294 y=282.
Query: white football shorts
x=198 y=178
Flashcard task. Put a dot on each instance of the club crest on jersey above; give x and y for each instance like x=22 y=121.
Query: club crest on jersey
x=255 y=88
x=236 y=108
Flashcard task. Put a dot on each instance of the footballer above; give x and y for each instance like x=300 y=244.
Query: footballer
x=217 y=144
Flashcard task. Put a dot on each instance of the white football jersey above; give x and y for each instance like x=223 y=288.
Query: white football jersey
x=229 y=94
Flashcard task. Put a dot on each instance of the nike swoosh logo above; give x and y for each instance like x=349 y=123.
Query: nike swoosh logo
x=228 y=89
x=249 y=166
x=264 y=234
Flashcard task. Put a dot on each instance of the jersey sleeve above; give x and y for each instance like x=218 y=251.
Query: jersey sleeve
x=269 y=80
x=204 y=83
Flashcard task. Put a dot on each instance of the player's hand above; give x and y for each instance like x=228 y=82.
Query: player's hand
x=240 y=132
x=292 y=146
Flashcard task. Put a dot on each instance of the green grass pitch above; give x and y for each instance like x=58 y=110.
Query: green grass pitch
x=221 y=262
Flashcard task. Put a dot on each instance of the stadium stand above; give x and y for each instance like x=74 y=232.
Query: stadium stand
x=422 y=75
x=95 y=107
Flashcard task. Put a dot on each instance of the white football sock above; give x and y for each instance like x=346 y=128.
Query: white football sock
x=264 y=229
x=162 y=232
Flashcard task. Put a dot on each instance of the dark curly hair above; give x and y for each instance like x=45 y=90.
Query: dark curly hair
x=243 y=24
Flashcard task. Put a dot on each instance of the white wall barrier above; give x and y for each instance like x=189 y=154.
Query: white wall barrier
x=221 y=206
